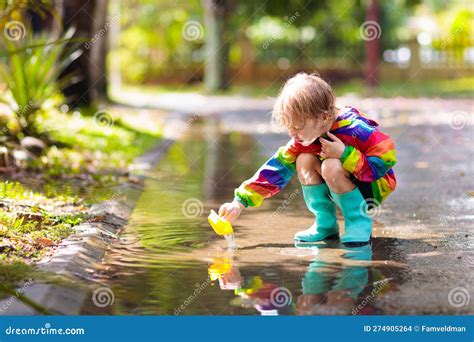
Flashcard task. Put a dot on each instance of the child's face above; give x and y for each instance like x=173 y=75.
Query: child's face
x=308 y=131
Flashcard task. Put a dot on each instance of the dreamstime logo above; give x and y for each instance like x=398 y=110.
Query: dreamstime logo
x=458 y=297
x=370 y=208
x=444 y=44
x=375 y=291
x=18 y=294
x=101 y=33
x=468 y=260
x=370 y=30
x=102 y=297
x=192 y=30
x=288 y=21
x=280 y=297
x=457 y=209
x=25 y=109
x=199 y=287
x=103 y=118
x=288 y=199
x=191 y=120
x=14 y=30
x=192 y=208
x=459 y=120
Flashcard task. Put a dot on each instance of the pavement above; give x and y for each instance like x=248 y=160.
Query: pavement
x=422 y=245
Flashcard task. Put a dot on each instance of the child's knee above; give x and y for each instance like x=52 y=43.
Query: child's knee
x=331 y=169
x=307 y=166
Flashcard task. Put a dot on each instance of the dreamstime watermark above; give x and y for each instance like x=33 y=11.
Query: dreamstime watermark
x=192 y=30
x=288 y=21
x=457 y=209
x=103 y=118
x=25 y=109
x=375 y=291
x=46 y=330
x=191 y=120
x=18 y=117
x=18 y=294
x=14 y=30
x=280 y=297
x=459 y=297
x=370 y=30
x=370 y=208
x=459 y=120
x=192 y=208
x=288 y=199
x=100 y=33
x=199 y=288
x=444 y=44
x=468 y=260
x=102 y=297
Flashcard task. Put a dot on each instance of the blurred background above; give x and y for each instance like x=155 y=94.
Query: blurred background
x=251 y=47
x=372 y=47
x=88 y=86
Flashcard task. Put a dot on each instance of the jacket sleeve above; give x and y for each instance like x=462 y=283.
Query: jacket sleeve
x=270 y=178
x=374 y=161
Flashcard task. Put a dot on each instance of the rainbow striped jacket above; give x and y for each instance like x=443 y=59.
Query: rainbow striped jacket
x=369 y=155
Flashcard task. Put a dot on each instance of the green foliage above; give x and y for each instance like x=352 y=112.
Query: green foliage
x=460 y=87
x=30 y=67
x=89 y=147
x=17 y=191
x=459 y=32
x=30 y=222
x=151 y=41
x=152 y=44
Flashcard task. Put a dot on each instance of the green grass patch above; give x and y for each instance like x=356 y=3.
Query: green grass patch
x=31 y=223
x=99 y=146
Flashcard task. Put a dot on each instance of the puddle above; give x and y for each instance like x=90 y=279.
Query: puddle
x=169 y=261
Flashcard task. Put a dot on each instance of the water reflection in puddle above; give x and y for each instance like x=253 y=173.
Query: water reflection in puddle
x=169 y=261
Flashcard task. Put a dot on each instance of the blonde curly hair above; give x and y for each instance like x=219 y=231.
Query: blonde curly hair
x=304 y=96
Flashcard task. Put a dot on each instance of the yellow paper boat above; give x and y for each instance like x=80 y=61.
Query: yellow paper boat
x=219 y=267
x=220 y=225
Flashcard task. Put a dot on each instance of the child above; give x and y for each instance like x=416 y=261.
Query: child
x=340 y=156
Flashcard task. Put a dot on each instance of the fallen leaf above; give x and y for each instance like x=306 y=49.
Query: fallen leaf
x=45 y=242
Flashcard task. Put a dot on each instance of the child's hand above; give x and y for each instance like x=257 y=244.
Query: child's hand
x=332 y=149
x=231 y=210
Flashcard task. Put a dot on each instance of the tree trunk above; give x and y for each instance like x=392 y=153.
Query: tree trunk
x=75 y=14
x=372 y=46
x=98 y=50
x=217 y=13
x=114 y=73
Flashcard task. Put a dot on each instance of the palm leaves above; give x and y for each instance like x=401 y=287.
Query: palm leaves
x=31 y=68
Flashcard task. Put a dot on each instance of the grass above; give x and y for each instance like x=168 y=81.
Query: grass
x=32 y=222
x=458 y=88
x=99 y=146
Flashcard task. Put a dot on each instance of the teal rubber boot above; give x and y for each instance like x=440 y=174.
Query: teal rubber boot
x=357 y=224
x=318 y=202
